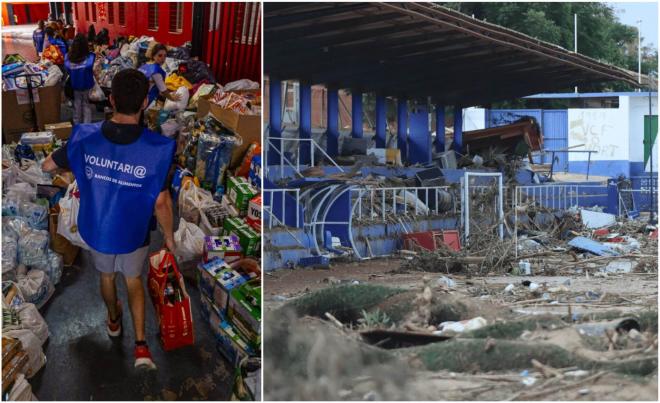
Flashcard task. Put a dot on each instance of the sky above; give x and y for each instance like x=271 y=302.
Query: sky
x=629 y=13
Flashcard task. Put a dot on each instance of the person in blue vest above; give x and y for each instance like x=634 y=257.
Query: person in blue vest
x=53 y=39
x=122 y=170
x=156 y=75
x=79 y=64
x=38 y=37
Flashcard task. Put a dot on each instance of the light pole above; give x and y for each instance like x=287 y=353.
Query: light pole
x=639 y=52
x=575 y=40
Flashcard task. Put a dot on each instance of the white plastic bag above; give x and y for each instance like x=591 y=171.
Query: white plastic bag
x=54 y=76
x=31 y=173
x=243 y=84
x=9 y=253
x=32 y=320
x=32 y=346
x=67 y=224
x=169 y=128
x=33 y=248
x=35 y=286
x=189 y=241
x=192 y=199
x=96 y=93
x=21 y=391
x=21 y=191
x=181 y=104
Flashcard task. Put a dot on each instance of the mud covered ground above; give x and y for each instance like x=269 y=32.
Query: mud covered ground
x=534 y=346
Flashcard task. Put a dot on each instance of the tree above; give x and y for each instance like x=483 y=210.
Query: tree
x=600 y=34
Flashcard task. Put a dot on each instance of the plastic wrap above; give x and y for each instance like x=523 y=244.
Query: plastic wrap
x=36 y=214
x=32 y=346
x=10 y=206
x=22 y=192
x=32 y=320
x=35 y=286
x=9 y=253
x=16 y=226
x=55 y=266
x=33 y=248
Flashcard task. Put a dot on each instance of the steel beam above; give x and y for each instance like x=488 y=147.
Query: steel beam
x=458 y=128
x=402 y=127
x=381 y=122
x=305 y=131
x=419 y=138
x=275 y=152
x=332 y=144
x=356 y=113
x=439 y=128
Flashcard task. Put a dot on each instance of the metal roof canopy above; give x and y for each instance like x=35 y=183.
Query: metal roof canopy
x=418 y=50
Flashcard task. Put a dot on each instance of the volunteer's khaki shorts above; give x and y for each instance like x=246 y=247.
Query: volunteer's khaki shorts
x=130 y=264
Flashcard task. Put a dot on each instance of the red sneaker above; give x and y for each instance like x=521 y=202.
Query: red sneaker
x=114 y=328
x=143 y=358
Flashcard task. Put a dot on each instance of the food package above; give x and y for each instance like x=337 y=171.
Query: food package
x=244 y=311
x=227 y=248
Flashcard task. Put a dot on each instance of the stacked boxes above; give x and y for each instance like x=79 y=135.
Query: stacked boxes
x=245 y=310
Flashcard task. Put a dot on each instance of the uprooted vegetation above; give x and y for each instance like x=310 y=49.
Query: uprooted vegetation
x=317 y=345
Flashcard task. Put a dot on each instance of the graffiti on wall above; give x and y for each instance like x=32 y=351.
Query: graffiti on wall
x=600 y=130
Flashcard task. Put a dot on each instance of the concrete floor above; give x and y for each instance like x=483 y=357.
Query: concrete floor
x=85 y=364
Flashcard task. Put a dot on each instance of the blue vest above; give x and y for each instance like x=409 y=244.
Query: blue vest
x=149 y=69
x=118 y=185
x=82 y=74
x=38 y=39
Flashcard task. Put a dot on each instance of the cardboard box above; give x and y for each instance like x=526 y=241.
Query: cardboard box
x=240 y=196
x=208 y=273
x=233 y=182
x=245 y=311
x=227 y=248
x=61 y=130
x=17 y=116
x=231 y=225
x=249 y=240
x=229 y=342
x=248 y=127
x=254 y=209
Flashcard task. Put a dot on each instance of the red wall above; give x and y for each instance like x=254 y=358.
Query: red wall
x=38 y=11
x=137 y=18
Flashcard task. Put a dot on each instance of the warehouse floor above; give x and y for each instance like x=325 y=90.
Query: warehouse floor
x=85 y=364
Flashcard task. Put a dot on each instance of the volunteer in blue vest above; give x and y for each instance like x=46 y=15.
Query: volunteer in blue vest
x=53 y=39
x=156 y=75
x=122 y=172
x=79 y=64
x=38 y=37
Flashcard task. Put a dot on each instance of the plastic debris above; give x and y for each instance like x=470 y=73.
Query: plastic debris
x=446 y=282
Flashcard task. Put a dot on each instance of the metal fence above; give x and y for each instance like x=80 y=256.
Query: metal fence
x=278 y=144
x=379 y=203
x=557 y=197
x=271 y=197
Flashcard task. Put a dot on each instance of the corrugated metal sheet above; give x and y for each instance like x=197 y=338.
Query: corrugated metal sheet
x=555 y=137
x=233 y=45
